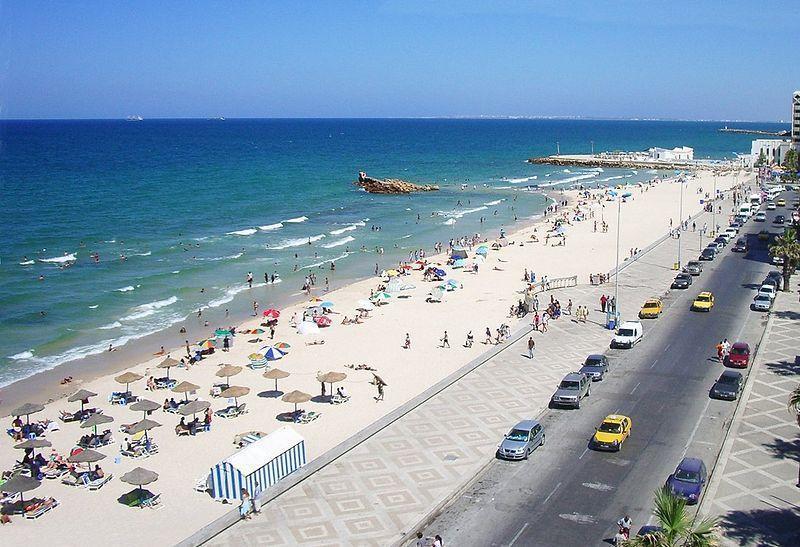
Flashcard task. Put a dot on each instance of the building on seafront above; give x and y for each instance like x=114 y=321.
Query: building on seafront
x=681 y=153
x=796 y=119
x=774 y=150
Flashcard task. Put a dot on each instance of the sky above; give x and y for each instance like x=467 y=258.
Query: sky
x=733 y=60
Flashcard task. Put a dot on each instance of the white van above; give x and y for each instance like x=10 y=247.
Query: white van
x=628 y=334
x=745 y=210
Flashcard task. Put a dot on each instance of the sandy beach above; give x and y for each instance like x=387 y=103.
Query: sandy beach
x=482 y=301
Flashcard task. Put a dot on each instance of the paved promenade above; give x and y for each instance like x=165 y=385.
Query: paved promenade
x=376 y=493
x=754 y=489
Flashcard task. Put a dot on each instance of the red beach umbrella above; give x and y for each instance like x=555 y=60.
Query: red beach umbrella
x=272 y=313
x=323 y=321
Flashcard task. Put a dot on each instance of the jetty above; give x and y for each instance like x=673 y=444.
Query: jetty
x=391 y=186
x=629 y=160
x=726 y=129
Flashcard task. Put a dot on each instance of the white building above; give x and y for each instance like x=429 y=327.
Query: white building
x=773 y=150
x=682 y=153
x=796 y=119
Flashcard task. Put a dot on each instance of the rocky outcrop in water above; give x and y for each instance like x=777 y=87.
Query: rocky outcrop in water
x=391 y=186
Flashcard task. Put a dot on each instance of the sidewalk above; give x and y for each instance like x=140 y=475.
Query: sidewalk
x=753 y=489
x=379 y=491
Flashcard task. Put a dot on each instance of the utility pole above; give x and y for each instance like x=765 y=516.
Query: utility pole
x=714 y=208
x=680 y=224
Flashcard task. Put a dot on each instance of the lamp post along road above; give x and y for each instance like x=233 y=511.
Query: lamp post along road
x=680 y=224
x=714 y=208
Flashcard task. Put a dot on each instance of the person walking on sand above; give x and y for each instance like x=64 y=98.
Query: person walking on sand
x=488 y=336
x=407 y=344
x=445 y=340
x=536 y=321
x=531 y=347
x=603 y=301
x=256 y=494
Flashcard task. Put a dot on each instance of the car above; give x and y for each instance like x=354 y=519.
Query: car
x=739 y=356
x=595 y=367
x=761 y=216
x=761 y=302
x=688 y=480
x=780 y=202
x=720 y=242
x=736 y=225
x=703 y=301
x=779 y=219
x=682 y=281
x=728 y=385
x=524 y=438
x=613 y=431
x=693 y=267
x=740 y=246
x=573 y=387
x=741 y=219
x=769 y=290
x=777 y=277
x=708 y=254
x=730 y=233
x=776 y=260
x=628 y=335
x=772 y=281
x=652 y=308
x=770 y=206
x=763 y=235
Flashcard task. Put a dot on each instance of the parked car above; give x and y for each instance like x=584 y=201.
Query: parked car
x=770 y=206
x=708 y=254
x=728 y=385
x=688 y=480
x=682 y=281
x=730 y=233
x=779 y=219
x=572 y=389
x=524 y=438
x=703 y=301
x=652 y=308
x=761 y=216
x=769 y=290
x=736 y=224
x=595 y=367
x=761 y=302
x=628 y=335
x=718 y=244
x=739 y=355
x=740 y=246
x=613 y=431
x=777 y=277
x=693 y=267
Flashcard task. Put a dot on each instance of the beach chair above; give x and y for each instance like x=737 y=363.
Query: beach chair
x=67 y=417
x=309 y=417
x=97 y=484
x=181 y=431
x=56 y=473
x=153 y=502
x=337 y=399
x=41 y=508
x=73 y=479
x=202 y=484
x=241 y=409
x=228 y=412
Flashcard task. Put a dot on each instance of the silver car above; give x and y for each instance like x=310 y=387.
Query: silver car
x=574 y=387
x=761 y=302
x=524 y=438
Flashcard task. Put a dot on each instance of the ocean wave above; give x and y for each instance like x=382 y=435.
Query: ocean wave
x=343 y=230
x=114 y=325
x=495 y=202
x=94 y=306
x=583 y=176
x=521 y=180
x=449 y=222
x=229 y=294
x=406 y=236
x=27 y=262
x=176 y=271
x=297 y=220
x=218 y=258
x=611 y=178
x=58 y=259
x=146 y=310
x=247 y=232
x=459 y=214
x=502 y=187
x=339 y=242
x=323 y=262
x=148 y=253
x=126 y=289
x=270 y=227
x=22 y=355
x=297 y=242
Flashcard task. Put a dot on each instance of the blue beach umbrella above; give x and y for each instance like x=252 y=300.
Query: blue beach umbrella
x=452 y=282
x=439 y=272
x=460 y=263
x=482 y=250
x=271 y=353
x=327 y=304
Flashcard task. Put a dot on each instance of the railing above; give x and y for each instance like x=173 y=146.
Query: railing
x=550 y=284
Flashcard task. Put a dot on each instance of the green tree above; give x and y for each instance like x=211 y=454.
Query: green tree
x=676 y=526
x=787 y=247
x=790 y=161
x=762 y=159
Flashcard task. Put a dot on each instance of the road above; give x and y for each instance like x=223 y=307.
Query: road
x=567 y=494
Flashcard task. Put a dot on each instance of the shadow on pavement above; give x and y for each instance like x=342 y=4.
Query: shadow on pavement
x=785 y=449
x=784 y=368
x=763 y=527
x=786 y=314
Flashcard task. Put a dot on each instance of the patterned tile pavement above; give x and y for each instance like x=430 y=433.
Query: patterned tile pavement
x=754 y=489
x=388 y=483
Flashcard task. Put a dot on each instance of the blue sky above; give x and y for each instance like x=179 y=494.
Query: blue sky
x=688 y=60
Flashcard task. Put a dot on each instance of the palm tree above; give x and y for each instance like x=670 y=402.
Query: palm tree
x=787 y=247
x=794 y=402
x=676 y=526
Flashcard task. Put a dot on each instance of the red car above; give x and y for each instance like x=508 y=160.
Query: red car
x=739 y=356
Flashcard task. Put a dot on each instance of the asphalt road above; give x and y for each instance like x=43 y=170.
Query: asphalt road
x=567 y=494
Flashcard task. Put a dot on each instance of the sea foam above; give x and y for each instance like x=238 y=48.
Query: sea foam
x=296 y=220
x=339 y=242
x=270 y=227
x=297 y=242
x=247 y=232
x=58 y=259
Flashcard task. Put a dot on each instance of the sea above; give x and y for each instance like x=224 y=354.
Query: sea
x=114 y=230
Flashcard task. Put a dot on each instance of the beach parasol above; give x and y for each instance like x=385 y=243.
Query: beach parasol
x=87 y=455
x=271 y=353
x=331 y=378
x=283 y=346
x=81 y=395
x=235 y=392
x=438 y=272
x=144 y=406
x=168 y=363
x=327 y=304
x=208 y=344
x=185 y=388
x=139 y=476
x=272 y=313
x=257 y=331
x=193 y=408
x=127 y=379
x=316 y=299
x=222 y=332
x=377 y=380
x=296 y=397
x=322 y=321
x=460 y=263
x=96 y=419
x=392 y=273
x=482 y=250
x=276 y=374
x=365 y=305
x=381 y=297
x=256 y=356
x=144 y=425
x=19 y=484
x=226 y=371
x=33 y=443
x=307 y=327
x=27 y=409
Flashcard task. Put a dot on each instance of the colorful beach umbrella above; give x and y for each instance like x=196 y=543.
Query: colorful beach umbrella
x=439 y=272
x=381 y=296
x=365 y=305
x=208 y=344
x=271 y=353
x=322 y=321
x=283 y=346
x=256 y=356
x=272 y=313
x=460 y=263
x=392 y=273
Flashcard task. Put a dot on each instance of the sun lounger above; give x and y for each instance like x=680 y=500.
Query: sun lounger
x=256 y=365
x=152 y=502
x=308 y=417
x=165 y=383
x=73 y=479
x=229 y=412
x=39 y=509
x=339 y=399
x=56 y=473
x=97 y=484
x=182 y=430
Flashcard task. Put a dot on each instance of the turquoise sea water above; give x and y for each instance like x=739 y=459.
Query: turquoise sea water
x=196 y=204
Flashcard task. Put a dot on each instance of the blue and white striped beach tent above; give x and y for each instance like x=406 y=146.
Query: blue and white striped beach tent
x=265 y=461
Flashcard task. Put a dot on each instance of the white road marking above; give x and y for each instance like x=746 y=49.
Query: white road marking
x=696 y=426
x=667 y=347
x=634 y=387
x=584 y=453
x=551 y=493
x=654 y=363
x=516 y=537
x=578 y=518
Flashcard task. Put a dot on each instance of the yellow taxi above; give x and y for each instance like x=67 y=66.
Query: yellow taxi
x=780 y=202
x=703 y=301
x=614 y=430
x=652 y=308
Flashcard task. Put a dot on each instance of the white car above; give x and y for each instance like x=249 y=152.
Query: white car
x=628 y=334
x=768 y=290
x=730 y=233
x=727 y=236
x=777 y=260
x=771 y=206
x=760 y=217
x=761 y=302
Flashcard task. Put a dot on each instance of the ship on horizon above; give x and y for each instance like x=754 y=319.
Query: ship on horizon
x=134 y=118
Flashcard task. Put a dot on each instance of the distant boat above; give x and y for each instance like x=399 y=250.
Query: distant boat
x=134 y=118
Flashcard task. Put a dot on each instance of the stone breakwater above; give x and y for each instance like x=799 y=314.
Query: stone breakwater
x=598 y=161
x=391 y=186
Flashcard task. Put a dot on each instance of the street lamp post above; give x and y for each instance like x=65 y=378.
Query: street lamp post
x=714 y=208
x=616 y=272
x=680 y=224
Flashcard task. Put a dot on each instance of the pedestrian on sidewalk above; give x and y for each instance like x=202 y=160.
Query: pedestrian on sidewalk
x=445 y=340
x=720 y=349
x=246 y=506
x=603 y=301
x=531 y=347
